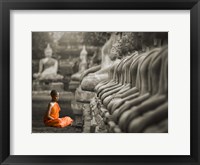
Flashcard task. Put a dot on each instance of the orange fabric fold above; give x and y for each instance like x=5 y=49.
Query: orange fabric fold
x=57 y=122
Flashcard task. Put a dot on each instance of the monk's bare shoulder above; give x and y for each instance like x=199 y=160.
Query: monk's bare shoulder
x=50 y=105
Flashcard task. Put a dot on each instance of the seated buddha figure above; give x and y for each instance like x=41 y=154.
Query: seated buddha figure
x=95 y=59
x=48 y=67
x=107 y=91
x=82 y=65
x=143 y=87
x=124 y=83
x=154 y=110
x=157 y=100
x=110 y=54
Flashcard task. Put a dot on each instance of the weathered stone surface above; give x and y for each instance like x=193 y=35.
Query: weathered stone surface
x=93 y=124
x=73 y=85
x=78 y=121
x=86 y=130
x=95 y=105
x=103 y=111
x=87 y=124
x=89 y=82
x=87 y=118
x=83 y=96
x=111 y=126
x=76 y=77
x=86 y=111
x=98 y=118
x=101 y=129
x=77 y=111
x=77 y=107
x=97 y=123
x=117 y=129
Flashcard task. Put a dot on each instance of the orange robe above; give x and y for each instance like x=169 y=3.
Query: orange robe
x=56 y=122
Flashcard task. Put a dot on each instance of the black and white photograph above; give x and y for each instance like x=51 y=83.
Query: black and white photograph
x=99 y=82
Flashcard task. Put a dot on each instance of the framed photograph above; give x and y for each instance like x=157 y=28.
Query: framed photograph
x=89 y=82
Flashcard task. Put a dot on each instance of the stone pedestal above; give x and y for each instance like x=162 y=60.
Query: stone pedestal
x=77 y=107
x=83 y=96
x=73 y=85
x=89 y=82
x=97 y=123
x=82 y=115
x=87 y=117
x=82 y=110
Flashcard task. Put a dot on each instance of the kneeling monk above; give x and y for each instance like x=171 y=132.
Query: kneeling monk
x=51 y=117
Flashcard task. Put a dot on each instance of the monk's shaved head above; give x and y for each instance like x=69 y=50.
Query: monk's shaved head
x=54 y=93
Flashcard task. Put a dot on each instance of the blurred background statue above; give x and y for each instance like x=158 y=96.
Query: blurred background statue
x=48 y=67
x=82 y=64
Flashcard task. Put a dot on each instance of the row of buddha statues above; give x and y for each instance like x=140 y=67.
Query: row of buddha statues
x=132 y=91
x=135 y=97
x=48 y=77
x=48 y=66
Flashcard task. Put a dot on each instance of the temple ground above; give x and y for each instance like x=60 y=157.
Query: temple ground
x=40 y=102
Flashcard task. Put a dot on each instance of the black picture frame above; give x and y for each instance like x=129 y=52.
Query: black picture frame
x=7 y=5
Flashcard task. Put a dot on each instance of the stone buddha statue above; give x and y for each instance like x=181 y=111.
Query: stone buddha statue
x=143 y=74
x=48 y=67
x=154 y=110
x=82 y=65
x=95 y=59
x=158 y=98
x=110 y=53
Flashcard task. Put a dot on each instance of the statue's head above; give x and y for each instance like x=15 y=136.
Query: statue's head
x=83 y=54
x=125 y=40
x=48 y=51
x=115 y=50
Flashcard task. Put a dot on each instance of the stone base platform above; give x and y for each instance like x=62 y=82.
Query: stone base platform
x=83 y=96
x=73 y=85
x=80 y=110
x=78 y=107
